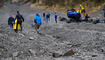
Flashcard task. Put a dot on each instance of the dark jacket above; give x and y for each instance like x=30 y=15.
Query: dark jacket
x=19 y=18
x=48 y=15
x=10 y=20
x=56 y=16
x=44 y=14
x=104 y=8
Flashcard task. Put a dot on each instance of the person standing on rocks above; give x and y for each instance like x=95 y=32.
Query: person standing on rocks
x=56 y=17
x=48 y=17
x=44 y=16
x=104 y=10
x=20 y=20
x=10 y=22
x=37 y=22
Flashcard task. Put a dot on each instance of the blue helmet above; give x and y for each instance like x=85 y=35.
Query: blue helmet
x=37 y=14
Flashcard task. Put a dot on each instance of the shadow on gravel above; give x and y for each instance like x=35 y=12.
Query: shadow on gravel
x=70 y=20
x=99 y=21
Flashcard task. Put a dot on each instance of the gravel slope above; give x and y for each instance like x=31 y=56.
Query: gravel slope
x=87 y=40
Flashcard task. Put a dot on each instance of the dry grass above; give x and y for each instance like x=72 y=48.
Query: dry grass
x=54 y=8
x=57 y=8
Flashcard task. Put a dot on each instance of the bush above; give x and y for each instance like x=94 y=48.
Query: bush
x=49 y=2
x=70 y=3
x=33 y=1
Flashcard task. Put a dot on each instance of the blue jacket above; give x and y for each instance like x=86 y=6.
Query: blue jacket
x=56 y=16
x=37 y=20
x=10 y=20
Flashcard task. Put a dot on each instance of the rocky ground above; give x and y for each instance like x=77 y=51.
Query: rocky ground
x=58 y=41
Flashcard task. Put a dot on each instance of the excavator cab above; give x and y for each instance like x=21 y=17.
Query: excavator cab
x=73 y=15
x=76 y=14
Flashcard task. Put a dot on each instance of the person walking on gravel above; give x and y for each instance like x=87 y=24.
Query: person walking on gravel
x=56 y=17
x=44 y=16
x=104 y=10
x=10 y=22
x=48 y=17
x=37 y=22
x=20 y=20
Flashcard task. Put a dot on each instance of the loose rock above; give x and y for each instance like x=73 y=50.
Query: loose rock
x=31 y=38
x=56 y=55
x=32 y=52
x=15 y=54
x=69 y=53
x=94 y=55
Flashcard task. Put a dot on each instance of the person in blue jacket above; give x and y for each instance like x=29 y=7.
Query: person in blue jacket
x=56 y=17
x=20 y=19
x=37 y=21
x=10 y=22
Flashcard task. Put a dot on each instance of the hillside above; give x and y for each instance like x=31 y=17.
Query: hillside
x=53 y=5
x=69 y=3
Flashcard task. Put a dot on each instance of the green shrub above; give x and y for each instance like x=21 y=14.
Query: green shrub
x=71 y=3
x=34 y=1
x=48 y=2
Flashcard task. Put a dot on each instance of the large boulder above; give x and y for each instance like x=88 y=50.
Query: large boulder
x=69 y=53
